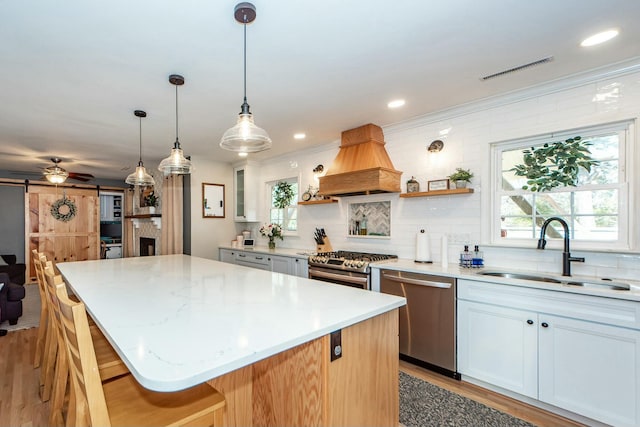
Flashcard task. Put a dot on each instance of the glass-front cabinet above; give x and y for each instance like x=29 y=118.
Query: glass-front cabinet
x=245 y=186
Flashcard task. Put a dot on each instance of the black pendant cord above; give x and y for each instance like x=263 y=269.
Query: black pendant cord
x=245 y=109
x=177 y=144
x=245 y=60
x=140 y=161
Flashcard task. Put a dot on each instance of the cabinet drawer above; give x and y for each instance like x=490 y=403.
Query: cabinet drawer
x=586 y=307
x=257 y=259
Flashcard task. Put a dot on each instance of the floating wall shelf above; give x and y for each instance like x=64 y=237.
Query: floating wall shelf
x=319 y=202
x=438 y=193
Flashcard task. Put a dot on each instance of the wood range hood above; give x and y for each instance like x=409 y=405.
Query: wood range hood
x=362 y=165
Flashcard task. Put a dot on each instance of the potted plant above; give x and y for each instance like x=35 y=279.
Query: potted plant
x=283 y=194
x=151 y=201
x=461 y=177
x=554 y=164
x=272 y=231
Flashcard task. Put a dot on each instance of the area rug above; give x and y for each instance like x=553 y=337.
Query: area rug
x=30 y=310
x=424 y=404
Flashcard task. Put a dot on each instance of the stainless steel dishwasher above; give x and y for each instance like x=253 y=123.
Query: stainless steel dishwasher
x=428 y=321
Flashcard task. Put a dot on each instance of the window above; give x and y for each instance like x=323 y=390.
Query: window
x=286 y=217
x=596 y=209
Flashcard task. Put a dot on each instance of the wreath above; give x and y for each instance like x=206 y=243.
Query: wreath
x=283 y=194
x=57 y=210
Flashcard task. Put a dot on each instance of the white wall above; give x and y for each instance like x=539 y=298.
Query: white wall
x=600 y=97
x=207 y=233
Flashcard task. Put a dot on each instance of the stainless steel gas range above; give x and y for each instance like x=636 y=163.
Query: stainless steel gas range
x=344 y=267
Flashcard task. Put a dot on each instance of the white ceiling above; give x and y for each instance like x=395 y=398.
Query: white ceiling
x=74 y=71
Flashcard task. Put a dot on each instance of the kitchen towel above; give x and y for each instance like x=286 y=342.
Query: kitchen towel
x=423 y=252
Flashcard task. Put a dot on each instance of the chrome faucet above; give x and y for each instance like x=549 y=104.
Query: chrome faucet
x=566 y=255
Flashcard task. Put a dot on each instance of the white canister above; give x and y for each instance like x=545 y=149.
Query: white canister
x=240 y=239
x=246 y=234
x=234 y=243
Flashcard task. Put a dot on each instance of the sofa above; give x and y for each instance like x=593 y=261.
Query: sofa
x=15 y=270
x=11 y=296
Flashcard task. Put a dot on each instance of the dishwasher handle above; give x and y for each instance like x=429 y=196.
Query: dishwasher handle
x=418 y=282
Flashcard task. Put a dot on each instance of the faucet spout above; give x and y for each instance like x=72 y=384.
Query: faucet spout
x=566 y=253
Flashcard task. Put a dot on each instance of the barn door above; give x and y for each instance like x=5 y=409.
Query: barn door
x=71 y=232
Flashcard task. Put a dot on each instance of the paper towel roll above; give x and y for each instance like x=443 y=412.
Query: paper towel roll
x=445 y=251
x=423 y=252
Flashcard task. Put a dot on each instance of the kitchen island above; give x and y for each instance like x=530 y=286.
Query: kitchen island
x=263 y=339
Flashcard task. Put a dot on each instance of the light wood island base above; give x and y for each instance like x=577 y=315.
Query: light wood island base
x=301 y=386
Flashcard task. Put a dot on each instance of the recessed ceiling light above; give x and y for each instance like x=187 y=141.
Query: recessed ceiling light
x=300 y=136
x=396 y=103
x=243 y=154
x=599 y=38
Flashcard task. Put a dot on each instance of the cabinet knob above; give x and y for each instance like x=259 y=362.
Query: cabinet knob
x=530 y=322
x=545 y=324
x=268 y=259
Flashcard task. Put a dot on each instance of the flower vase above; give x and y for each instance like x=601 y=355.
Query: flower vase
x=272 y=243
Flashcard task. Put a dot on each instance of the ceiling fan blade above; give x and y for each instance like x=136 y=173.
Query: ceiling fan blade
x=84 y=177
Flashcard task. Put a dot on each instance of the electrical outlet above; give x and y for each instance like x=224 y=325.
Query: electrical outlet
x=336 y=345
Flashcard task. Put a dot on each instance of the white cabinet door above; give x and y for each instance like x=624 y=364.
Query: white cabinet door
x=227 y=255
x=300 y=267
x=591 y=369
x=281 y=264
x=498 y=345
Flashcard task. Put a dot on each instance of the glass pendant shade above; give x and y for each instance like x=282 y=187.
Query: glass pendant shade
x=245 y=136
x=55 y=174
x=140 y=177
x=176 y=163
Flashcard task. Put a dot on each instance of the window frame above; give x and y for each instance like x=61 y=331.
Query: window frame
x=626 y=186
x=269 y=191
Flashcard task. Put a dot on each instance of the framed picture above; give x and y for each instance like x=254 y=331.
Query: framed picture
x=438 y=184
x=212 y=200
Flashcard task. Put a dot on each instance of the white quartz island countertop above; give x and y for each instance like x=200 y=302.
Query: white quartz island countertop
x=178 y=320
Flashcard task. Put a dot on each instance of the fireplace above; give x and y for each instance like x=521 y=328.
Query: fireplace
x=147 y=246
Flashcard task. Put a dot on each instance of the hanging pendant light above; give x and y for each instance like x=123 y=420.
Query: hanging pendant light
x=140 y=176
x=245 y=136
x=176 y=163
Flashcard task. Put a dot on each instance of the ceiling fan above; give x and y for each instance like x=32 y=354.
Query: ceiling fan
x=57 y=175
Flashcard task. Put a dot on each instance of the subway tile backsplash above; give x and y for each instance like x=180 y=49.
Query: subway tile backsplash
x=465 y=219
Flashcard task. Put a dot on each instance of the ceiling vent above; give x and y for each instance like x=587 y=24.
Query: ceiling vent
x=518 y=68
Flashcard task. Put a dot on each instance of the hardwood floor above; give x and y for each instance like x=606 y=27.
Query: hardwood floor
x=20 y=403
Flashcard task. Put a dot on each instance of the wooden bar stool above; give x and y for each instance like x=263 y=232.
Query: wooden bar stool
x=44 y=314
x=109 y=363
x=123 y=401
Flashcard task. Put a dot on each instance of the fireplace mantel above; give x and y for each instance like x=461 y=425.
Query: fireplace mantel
x=155 y=218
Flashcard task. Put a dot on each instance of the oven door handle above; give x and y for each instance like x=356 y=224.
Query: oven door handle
x=419 y=282
x=341 y=277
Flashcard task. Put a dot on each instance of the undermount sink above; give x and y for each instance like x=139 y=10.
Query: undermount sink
x=519 y=276
x=601 y=284
x=615 y=286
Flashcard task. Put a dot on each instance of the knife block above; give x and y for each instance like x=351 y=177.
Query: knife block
x=325 y=247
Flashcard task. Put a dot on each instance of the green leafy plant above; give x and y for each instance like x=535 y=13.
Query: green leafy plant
x=461 y=175
x=151 y=199
x=554 y=164
x=282 y=194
